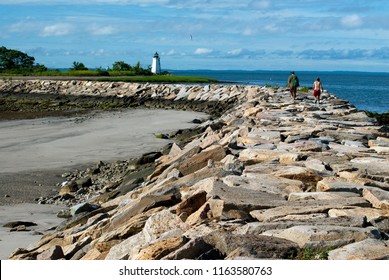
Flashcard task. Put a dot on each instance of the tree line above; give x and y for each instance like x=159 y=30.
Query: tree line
x=17 y=60
x=14 y=61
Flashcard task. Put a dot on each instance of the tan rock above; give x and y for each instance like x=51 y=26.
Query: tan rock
x=244 y=199
x=251 y=111
x=290 y=157
x=349 y=176
x=191 y=204
x=68 y=188
x=252 y=155
x=94 y=254
x=205 y=185
x=209 y=141
x=380 y=141
x=211 y=210
x=378 y=198
x=308 y=176
x=338 y=184
x=368 y=249
x=250 y=140
x=70 y=250
x=52 y=243
x=321 y=195
x=197 y=162
x=140 y=205
x=159 y=249
x=175 y=150
x=53 y=253
x=369 y=213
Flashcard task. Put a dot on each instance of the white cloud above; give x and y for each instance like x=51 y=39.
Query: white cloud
x=99 y=30
x=170 y=52
x=99 y=52
x=248 y=31
x=263 y=4
x=351 y=21
x=59 y=29
x=203 y=51
x=235 y=52
x=272 y=28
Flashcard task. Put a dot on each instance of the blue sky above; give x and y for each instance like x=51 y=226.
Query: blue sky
x=202 y=34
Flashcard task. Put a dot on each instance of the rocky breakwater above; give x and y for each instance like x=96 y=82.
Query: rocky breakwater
x=63 y=95
x=269 y=179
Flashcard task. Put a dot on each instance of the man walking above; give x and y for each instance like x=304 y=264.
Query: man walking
x=293 y=84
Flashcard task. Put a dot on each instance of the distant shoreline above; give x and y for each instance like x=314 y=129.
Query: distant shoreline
x=132 y=79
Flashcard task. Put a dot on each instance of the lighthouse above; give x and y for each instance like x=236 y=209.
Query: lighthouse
x=156 y=66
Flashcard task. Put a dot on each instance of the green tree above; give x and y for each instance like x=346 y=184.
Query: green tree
x=39 y=68
x=138 y=70
x=121 y=66
x=78 y=66
x=14 y=59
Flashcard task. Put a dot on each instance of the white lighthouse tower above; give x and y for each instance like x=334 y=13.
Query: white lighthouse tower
x=156 y=66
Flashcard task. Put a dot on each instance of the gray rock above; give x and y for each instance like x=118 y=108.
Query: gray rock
x=323 y=236
x=127 y=248
x=163 y=223
x=19 y=223
x=53 y=253
x=83 y=207
x=191 y=250
x=251 y=246
x=265 y=182
x=244 y=199
x=318 y=220
x=306 y=207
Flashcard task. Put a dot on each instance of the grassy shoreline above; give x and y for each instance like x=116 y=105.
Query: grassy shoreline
x=116 y=76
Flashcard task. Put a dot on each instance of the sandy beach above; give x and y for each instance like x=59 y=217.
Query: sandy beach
x=36 y=152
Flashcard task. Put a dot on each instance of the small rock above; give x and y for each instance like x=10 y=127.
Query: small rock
x=19 y=228
x=19 y=223
x=53 y=253
x=83 y=207
x=64 y=214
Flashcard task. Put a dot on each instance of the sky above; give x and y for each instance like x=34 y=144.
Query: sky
x=329 y=35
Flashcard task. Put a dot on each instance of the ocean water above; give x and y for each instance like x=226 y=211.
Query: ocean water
x=365 y=90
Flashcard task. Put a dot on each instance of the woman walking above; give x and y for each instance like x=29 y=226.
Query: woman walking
x=317 y=89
